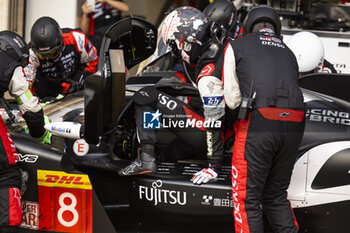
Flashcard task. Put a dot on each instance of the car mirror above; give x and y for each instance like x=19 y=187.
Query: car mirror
x=135 y=36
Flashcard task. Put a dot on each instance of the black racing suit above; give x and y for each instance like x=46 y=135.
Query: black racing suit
x=12 y=79
x=190 y=135
x=267 y=141
x=77 y=60
x=328 y=67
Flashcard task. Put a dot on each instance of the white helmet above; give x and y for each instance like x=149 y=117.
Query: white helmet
x=309 y=51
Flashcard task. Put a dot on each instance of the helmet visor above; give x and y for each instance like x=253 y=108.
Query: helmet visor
x=50 y=55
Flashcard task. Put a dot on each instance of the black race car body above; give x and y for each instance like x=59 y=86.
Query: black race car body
x=75 y=186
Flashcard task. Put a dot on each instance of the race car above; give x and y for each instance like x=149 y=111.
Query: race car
x=73 y=185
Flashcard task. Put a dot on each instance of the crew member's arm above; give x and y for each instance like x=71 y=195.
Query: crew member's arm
x=29 y=105
x=84 y=21
x=88 y=61
x=31 y=69
x=215 y=95
x=119 y=5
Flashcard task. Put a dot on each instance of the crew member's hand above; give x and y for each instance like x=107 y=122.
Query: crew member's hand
x=47 y=120
x=204 y=176
x=69 y=86
x=46 y=138
x=86 y=9
x=50 y=99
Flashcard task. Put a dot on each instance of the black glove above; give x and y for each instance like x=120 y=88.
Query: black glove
x=70 y=86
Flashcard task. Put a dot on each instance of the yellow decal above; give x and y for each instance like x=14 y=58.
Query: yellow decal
x=63 y=180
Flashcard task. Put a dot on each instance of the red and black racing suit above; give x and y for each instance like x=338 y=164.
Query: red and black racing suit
x=77 y=60
x=13 y=80
x=190 y=137
x=267 y=142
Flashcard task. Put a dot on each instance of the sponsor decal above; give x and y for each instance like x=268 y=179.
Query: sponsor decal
x=79 y=38
x=212 y=100
x=271 y=43
x=270 y=38
x=209 y=200
x=65 y=202
x=328 y=116
x=236 y=212
x=30 y=216
x=34 y=59
x=80 y=147
x=64 y=180
x=156 y=195
x=284 y=114
x=88 y=46
x=207 y=70
x=206 y=200
x=340 y=67
x=164 y=100
x=61 y=129
x=144 y=93
x=27 y=158
x=210 y=143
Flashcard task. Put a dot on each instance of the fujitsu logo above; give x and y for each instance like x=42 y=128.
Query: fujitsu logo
x=157 y=195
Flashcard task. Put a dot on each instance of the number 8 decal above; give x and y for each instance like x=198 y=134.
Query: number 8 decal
x=70 y=208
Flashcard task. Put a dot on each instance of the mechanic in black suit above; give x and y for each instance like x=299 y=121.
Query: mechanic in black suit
x=257 y=74
x=60 y=59
x=14 y=55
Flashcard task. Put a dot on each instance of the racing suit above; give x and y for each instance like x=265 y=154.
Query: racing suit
x=77 y=60
x=172 y=111
x=258 y=66
x=12 y=79
x=328 y=67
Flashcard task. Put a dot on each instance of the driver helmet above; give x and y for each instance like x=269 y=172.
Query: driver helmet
x=14 y=46
x=262 y=16
x=186 y=31
x=308 y=50
x=46 y=38
x=224 y=13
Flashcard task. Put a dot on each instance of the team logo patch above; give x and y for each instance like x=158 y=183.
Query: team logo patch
x=207 y=70
x=212 y=100
x=151 y=120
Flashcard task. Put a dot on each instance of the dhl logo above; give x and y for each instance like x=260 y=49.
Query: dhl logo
x=62 y=179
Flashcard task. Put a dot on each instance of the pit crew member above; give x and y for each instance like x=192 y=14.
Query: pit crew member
x=59 y=59
x=14 y=55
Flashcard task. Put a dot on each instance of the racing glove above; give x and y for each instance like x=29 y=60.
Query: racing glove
x=204 y=176
x=46 y=138
x=70 y=86
x=50 y=99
